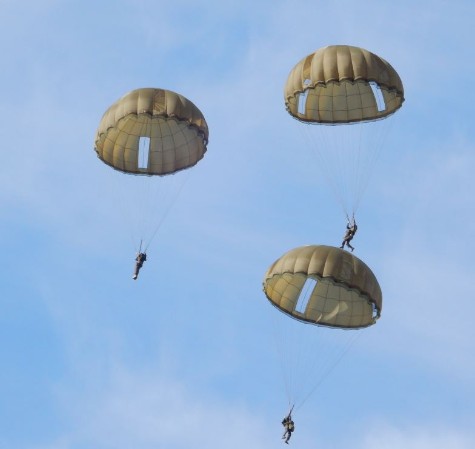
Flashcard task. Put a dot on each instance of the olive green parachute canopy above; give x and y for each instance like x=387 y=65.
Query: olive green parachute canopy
x=344 y=291
x=342 y=84
x=173 y=128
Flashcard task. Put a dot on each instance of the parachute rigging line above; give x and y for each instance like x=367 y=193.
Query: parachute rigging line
x=168 y=209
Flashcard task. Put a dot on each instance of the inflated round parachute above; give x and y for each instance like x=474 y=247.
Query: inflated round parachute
x=152 y=132
x=324 y=285
x=342 y=84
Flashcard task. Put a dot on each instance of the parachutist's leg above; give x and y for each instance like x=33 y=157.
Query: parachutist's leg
x=348 y=243
x=136 y=272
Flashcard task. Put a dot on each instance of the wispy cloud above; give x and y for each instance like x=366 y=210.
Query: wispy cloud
x=143 y=410
x=415 y=437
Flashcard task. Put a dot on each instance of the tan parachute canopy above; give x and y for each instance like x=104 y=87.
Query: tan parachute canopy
x=175 y=132
x=345 y=293
x=342 y=84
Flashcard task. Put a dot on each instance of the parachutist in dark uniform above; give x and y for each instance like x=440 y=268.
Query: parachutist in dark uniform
x=350 y=233
x=139 y=260
x=289 y=427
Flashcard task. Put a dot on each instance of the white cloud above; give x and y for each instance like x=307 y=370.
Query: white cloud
x=385 y=437
x=234 y=70
x=141 y=410
x=427 y=268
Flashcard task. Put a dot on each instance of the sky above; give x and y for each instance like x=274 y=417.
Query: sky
x=184 y=357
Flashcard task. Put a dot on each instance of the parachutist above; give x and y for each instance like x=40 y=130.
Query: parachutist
x=153 y=133
x=351 y=229
x=289 y=427
x=139 y=260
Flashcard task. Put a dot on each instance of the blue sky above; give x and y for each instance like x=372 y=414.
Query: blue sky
x=183 y=358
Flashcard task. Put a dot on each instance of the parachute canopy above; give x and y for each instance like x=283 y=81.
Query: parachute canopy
x=152 y=132
x=342 y=84
x=343 y=293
